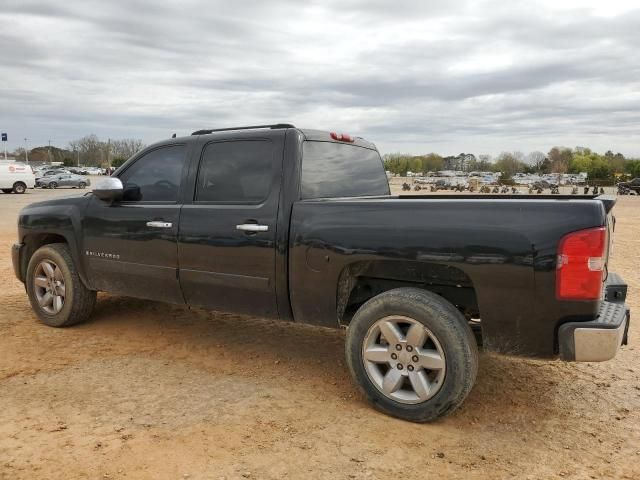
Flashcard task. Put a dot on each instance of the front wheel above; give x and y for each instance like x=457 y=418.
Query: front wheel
x=412 y=354
x=19 y=187
x=55 y=290
x=82 y=185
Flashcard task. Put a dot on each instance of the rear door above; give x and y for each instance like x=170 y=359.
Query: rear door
x=226 y=244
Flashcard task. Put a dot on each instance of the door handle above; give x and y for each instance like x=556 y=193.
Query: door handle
x=160 y=224
x=252 y=227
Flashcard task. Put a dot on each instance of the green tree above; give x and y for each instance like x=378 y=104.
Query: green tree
x=118 y=161
x=632 y=167
x=431 y=162
x=508 y=163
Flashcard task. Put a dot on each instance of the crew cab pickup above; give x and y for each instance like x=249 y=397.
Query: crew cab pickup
x=299 y=225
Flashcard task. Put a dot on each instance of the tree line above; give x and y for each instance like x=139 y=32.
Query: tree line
x=607 y=166
x=89 y=151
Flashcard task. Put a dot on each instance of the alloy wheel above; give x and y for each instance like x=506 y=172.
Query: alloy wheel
x=403 y=359
x=49 y=287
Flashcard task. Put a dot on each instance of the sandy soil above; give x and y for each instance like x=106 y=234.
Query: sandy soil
x=146 y=390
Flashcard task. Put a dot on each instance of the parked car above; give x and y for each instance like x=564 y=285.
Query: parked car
x=16 y=177
x=64 y=180
x=300 y=225
x=633 y=185
x=542 y=185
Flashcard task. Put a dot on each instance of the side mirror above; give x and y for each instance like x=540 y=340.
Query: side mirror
x=109 y=189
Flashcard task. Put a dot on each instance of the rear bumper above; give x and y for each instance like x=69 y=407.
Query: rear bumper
x=16 y=248
x=600 y=339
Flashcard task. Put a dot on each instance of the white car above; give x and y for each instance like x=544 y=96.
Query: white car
x=16 y=177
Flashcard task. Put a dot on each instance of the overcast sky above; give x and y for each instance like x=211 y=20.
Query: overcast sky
x=411 y=76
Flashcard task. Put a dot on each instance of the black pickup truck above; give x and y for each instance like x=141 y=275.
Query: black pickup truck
x=299 y=225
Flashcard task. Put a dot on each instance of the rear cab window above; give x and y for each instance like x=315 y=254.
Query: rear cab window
x=332 y=169
x=235 y=171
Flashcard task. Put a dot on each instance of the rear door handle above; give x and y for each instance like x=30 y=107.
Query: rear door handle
x=252 y=227
x=155 y=224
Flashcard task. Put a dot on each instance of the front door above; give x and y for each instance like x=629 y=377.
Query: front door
x=130 y=246
x=226 y=244
x=63 y=180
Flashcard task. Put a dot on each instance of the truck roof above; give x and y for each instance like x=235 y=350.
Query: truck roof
x=309 y=134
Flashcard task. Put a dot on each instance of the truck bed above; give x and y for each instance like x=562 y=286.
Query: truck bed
x=501 y=248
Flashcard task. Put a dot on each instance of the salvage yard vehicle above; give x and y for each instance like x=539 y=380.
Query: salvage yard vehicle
x=16 y=177
x=63 y=180
x=299 y=225
x=632 y=185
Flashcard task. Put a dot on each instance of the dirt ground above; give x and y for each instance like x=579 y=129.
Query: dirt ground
x=151 y=391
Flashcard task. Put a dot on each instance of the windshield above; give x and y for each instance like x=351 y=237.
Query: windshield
x=332 y=169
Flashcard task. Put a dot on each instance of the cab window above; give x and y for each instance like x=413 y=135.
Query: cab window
x=238 y=171
x=155 y=177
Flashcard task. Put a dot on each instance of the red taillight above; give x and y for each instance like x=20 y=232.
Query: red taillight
x=341 y=137
x=580 y=265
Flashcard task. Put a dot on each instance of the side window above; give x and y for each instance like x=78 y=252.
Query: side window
x=235 y=172
x=155 y=177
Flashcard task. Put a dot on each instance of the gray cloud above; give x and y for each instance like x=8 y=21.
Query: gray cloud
x=481 y=76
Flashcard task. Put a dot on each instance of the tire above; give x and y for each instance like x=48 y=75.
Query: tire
x=19 y=187
x=78 y=301
x=52 y=185
x=7 y=190
x=82 y=185
x=450 y=348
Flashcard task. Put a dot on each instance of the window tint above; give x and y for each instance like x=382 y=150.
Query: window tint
x=235 y=172
x=156 y=176
x=340 y=170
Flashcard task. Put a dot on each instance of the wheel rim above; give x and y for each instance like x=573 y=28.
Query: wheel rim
x=403 y=359
x=49 y=287
x=19 y=188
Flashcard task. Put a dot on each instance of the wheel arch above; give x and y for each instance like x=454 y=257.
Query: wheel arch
x=33 y=241
x=363 y=280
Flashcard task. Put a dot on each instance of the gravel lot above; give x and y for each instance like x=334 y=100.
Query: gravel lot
x=147 y=390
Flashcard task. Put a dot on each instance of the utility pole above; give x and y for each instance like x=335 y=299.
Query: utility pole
x=49 y=152
x=109 y=152
x=26 y=151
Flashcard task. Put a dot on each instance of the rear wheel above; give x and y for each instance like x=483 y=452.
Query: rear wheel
x=53 y=185
x=19 y=187
x=82 y=185
x=412 y=354
x=56 y=293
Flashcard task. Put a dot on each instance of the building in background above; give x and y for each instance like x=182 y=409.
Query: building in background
x=461 y=163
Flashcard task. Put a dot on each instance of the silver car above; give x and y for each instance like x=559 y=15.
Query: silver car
x=63 y=180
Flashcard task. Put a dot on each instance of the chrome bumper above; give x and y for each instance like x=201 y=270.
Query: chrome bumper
x=598 y=344
x=598 y=340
